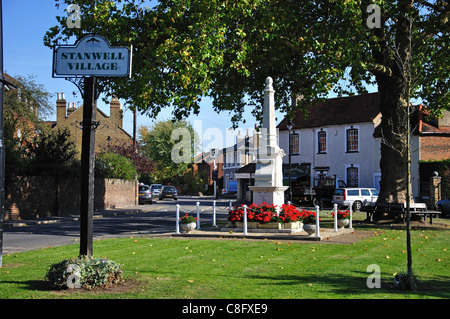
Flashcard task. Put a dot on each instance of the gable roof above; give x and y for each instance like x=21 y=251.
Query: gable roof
x=337 y=111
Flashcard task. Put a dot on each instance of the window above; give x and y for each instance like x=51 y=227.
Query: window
x=322 y=138
x=294 y=144
x=352 y=176
x=365 y=192
x=352 y=140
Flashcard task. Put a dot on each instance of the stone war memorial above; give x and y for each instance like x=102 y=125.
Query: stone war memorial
x=268 y=185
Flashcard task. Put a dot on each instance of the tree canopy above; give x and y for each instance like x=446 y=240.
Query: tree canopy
x=184 y=50
x=171 y=146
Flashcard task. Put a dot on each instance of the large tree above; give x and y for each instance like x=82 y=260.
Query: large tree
x=171 y=146
x=224 y=49
x=27 y=103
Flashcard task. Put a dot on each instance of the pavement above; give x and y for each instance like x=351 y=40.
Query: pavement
x=61 y=219
x=236 y=233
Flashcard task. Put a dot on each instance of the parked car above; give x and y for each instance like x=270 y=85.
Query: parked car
x=156 y=190
x=145 y=194
x=358 y=197
x=444 y=206
x=168 y=192
x=232 y=191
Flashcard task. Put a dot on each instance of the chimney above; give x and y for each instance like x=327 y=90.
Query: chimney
x=444 y=120
x=116 y=112
x=71 y=109
x=60 y=108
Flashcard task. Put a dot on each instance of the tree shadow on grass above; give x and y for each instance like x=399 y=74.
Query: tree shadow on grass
x=334 y=285
x=38 y=285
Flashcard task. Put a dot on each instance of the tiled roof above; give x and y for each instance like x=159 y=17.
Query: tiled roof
x=338 y=111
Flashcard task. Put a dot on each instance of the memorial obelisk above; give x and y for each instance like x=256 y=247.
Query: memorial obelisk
x=268 y=173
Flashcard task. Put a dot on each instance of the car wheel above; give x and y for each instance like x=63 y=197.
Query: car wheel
x=357 y=206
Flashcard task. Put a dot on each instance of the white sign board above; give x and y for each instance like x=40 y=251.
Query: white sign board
x=91 y=56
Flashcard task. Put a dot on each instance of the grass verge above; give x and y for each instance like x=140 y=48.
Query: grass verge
x=217 y=269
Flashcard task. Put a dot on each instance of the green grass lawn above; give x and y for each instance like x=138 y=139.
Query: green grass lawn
x=220 y=268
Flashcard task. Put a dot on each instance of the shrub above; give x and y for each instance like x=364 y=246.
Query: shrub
x=84 y=271
x=187 y=219
x=342 y=215
x=405 y=281
x=109 y=165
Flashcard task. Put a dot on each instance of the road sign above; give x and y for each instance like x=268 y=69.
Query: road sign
x=92 y=55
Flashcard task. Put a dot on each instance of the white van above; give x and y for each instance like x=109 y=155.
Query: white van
x=358 y=197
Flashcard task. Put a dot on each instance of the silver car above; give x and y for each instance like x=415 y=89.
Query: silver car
x=358 y=197
x=156 y=190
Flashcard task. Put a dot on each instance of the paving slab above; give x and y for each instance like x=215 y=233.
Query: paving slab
x=213 y=232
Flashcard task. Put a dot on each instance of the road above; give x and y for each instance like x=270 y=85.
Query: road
x=154 y=218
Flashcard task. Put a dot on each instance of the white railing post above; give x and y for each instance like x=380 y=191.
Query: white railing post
x=317 y=222
x=229 y=204
x=178 y=219
x=245 y=220
x=350 y=225
x=198 y=215
x=214 y=213
x=335 y=218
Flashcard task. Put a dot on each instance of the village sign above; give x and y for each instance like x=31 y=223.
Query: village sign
x=91 y=56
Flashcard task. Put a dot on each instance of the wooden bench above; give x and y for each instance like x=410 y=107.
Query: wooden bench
x=386 y=208
x=400 y=209
x=421 y=209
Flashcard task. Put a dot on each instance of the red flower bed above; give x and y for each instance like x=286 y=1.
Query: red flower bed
x=265 y=213
x=342 y=215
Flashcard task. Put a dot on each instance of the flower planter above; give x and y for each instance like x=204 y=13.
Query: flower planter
x=253 y=225
x=270 y=226
x=250 y=225
x=292 y=225
x=310 y=229
x=343 y=222
x=188 y=227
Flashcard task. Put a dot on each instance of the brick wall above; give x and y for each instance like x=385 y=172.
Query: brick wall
x=30 y=197
x=434 y=148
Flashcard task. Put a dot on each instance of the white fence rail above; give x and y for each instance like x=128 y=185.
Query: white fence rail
x=215 y=207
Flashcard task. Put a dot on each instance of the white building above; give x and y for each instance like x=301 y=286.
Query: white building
x=336 y=139
x=237 y=156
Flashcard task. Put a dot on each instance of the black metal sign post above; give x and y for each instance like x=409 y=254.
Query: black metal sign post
x=89 y=58
x=87 y=166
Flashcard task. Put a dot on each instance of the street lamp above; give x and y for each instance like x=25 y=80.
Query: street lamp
x=289 y=126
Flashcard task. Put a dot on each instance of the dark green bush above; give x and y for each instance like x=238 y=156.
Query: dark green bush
x=84 y=272
x=110 y=165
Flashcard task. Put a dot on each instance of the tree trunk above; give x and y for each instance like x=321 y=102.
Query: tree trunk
x=394 y=90
x=394 y=131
